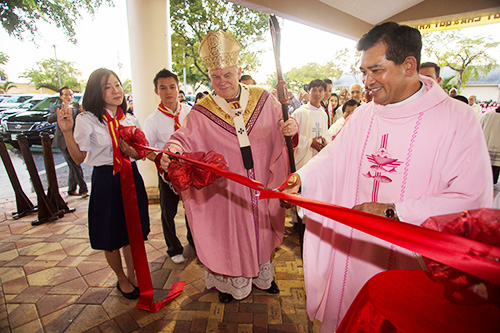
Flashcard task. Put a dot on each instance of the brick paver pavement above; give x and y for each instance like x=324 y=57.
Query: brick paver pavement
x=52 y=281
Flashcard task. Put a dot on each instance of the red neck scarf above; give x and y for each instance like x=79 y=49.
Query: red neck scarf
x=113 y=126
x=169 y=114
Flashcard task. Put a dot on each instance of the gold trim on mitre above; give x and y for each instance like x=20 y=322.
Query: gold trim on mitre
x=219 y=50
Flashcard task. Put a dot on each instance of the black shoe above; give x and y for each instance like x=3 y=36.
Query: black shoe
x=273 y=289
x=131 y=295
x=225 y=298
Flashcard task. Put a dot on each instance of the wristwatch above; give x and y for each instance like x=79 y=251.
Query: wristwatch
x=390 y=212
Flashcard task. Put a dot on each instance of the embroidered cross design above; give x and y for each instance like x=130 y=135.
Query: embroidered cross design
x=382 y=167
x=317 y=130
x=241 y=131
x=238 y=113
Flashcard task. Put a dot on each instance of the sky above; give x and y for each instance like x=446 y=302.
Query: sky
x=103 y=42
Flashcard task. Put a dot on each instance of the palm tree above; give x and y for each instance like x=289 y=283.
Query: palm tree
x=7 y=86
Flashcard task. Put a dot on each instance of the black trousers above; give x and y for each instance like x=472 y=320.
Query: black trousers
x=75 y=175
x=168 y=204
x=496 y=171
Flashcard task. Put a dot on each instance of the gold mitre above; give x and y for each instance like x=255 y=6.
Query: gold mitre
x=219 y=50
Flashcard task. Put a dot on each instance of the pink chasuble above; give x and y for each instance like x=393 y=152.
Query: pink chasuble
x=233 y=231
x=427 y=156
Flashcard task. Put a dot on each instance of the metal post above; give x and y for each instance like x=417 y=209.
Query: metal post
x=57 y=67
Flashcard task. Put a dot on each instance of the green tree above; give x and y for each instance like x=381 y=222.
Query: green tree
x=4 y=58
x=7 y=85
x=127 y=86
x=468 y=57
x=19 y=17
x=44 y=74
x=191 y=20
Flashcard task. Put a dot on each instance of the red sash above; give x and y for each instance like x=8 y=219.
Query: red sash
x=113 y=126
x=169 y=114
x=122 y=165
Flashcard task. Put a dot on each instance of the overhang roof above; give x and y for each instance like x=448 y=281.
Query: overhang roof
x=353 y=18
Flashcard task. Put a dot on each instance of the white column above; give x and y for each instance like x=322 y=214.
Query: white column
x=150 y=51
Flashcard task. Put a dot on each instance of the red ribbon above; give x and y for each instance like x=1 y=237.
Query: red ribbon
x=133 y=220
x=467 y=255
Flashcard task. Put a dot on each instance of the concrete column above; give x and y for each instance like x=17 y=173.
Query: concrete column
x=150 y=51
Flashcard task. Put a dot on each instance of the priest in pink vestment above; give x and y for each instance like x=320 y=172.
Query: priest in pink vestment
x=235 y=233
x=411 y=153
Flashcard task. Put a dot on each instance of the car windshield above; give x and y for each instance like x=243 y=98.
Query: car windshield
x=46 y=103
x=28 y=104
x=17 y=99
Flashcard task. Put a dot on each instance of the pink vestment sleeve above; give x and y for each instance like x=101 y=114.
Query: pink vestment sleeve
x=467 y=172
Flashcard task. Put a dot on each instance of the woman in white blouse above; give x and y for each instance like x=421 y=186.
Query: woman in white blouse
x=91 y=142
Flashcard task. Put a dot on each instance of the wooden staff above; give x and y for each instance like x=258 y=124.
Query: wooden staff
x=282 y=97
x=281 y=85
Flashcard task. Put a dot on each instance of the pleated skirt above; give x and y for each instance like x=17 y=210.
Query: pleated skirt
x=106 y=215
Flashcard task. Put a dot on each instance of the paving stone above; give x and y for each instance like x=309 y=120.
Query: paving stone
x=60 y=320
x=283 y=328
x=91 y=316
x=199 y=325
x=126 y=322
x=30 y=295
x=216 y=311
x=238 y=317
x=70 y=287
x=73 y=287
x=15 y=286
x=253 y=307
x=51 y=303
x=260 y=321
x=160 y=326
x=10 y=273
x=71 y=261
x=245 y=328
x=19 y=314
x=34 y=326
x=53 y=276
x=20 y=261
x=274 y=314
x=9 y=255
x=182 y=326
x=35 y=266
x=108 y=327
x=94 y=296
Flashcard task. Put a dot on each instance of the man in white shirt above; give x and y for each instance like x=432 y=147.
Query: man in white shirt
x=313 y=124
x=158 y=127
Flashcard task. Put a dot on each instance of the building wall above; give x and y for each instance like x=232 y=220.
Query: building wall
x=483 y=93
x=26 y=88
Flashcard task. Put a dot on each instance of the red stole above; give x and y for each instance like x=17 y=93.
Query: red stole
x=169 y=114
x=113 y=126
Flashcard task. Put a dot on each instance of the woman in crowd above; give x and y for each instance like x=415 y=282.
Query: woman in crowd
x=333 y=105
x=92 y=142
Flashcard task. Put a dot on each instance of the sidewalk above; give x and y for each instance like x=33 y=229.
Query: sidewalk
x=52 y=281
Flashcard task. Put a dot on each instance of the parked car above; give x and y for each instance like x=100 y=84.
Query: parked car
x=14 y=101
x=3 y=97
x=32 y=122
x=24 y=106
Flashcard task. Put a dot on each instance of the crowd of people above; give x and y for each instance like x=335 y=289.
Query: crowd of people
x=397 y=146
